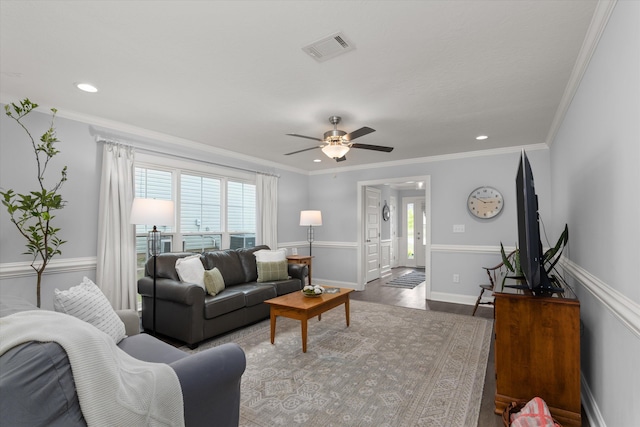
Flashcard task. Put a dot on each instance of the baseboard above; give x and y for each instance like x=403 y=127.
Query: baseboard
x=453 y=298
x=590 y=405
x=336 y=284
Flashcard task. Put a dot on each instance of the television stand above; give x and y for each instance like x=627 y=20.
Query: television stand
x=541 y=291
x=537 y=350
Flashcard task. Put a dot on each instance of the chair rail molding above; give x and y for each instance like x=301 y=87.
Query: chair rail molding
x=623 y=308
x=10 y=270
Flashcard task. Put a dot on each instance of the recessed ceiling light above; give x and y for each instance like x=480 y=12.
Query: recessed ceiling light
x=481 y=137
x=86 y=87
x=317 y=160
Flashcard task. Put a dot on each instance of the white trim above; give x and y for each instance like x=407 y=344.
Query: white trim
x=590 y=405
x=462 y=249
x=432 y=159
x=453 y=298
x=9 y=270
x=599 y=21
x=336 y=283
x=626 y=310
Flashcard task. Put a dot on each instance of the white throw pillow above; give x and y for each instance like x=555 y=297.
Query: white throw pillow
x=265 y=255
x=191 y=270
x=87 y=302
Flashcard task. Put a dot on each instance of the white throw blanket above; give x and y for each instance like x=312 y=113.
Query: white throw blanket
x=114 y=389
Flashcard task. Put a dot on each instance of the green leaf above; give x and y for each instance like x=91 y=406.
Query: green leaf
x=505 y=259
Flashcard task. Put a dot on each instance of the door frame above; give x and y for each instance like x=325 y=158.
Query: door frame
x=361 y=262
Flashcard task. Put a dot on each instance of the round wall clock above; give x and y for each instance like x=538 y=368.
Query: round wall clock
x=485 y=202
x=385 y=212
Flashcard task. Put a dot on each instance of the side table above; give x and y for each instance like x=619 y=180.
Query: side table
x=301 y=259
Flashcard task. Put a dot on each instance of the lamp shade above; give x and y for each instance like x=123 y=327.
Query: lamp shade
x=152 y=212
x=310 y=218
x=335 y=151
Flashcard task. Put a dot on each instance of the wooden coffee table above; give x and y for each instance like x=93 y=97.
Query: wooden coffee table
x=296 y=306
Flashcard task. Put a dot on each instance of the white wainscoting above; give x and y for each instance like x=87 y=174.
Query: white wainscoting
x=10 y=270
x=385 y=258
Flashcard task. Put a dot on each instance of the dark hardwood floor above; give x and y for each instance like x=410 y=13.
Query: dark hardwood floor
x=415 y=298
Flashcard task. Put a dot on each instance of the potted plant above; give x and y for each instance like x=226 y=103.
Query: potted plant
x=550 y=258
x=32 y=213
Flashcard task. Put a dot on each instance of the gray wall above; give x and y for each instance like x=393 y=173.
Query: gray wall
x=595 y=162
x=78 y=220
x=452 y=179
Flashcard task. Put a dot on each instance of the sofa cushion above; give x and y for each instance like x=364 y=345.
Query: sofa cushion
x=223 y=303
x=191 y=270
x=165 y=265
x=248 y=260
x=228 y=263
x=254 y=294
x=150 y=349
x=87 y=302
x=270 y=271
x=38 y=387
x=283 y=287
x=213 y=281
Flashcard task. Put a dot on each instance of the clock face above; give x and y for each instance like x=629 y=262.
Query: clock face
x=485 y=202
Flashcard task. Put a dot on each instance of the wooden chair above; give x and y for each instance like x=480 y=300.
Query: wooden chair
x=493 y=273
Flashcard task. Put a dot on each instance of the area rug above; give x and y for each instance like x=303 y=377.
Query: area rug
x=392 y=366
x=409 y=280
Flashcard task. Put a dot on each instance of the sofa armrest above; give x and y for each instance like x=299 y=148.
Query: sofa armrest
x=131 y=321
x=298 y=271
x=171 y=290
x=210 y=382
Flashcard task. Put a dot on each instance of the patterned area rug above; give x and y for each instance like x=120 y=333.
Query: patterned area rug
x=392 y=367
x=409 y=280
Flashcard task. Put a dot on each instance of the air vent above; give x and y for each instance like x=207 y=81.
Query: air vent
x=329 y=47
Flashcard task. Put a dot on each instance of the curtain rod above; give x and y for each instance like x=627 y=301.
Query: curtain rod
x=157 y=152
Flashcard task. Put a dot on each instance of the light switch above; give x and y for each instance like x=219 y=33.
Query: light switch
x=458 y=228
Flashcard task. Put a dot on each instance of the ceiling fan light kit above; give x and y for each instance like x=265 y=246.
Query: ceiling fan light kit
x=338 y=142
x=335 y=150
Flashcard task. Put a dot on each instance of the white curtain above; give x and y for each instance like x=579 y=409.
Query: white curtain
x=267 y=209
x=116 y=263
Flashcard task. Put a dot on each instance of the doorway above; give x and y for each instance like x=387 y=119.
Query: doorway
x=414 y=230
x=424 y=193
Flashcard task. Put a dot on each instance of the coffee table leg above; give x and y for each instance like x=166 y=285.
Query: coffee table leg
x=303 y=323
x=273 y=326
x=346 y=309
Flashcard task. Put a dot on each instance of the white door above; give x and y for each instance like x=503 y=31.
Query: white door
x=372 y=233
x=414 y=230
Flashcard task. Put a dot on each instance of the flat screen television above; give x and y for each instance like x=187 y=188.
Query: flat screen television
x=529 y=243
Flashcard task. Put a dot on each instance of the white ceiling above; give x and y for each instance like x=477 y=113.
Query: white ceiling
x=429 y=76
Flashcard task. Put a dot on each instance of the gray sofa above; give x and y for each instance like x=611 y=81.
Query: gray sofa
x=37 y=386
x=186 y=313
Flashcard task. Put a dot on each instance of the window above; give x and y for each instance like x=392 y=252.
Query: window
x=212 y=212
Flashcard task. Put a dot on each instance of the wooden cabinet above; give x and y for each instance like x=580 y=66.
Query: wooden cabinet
x=537 y=352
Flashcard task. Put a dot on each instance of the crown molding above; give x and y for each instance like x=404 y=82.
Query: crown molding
x=438 y=158
x=599 y=21
x=114 y=130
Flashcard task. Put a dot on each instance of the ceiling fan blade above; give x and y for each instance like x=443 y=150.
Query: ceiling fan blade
x=307 y=137
x=358 y=133
x=301 y=151
x=372 y=147
x=341 y=159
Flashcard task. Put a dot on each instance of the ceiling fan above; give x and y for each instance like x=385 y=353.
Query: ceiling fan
x=337 y=143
